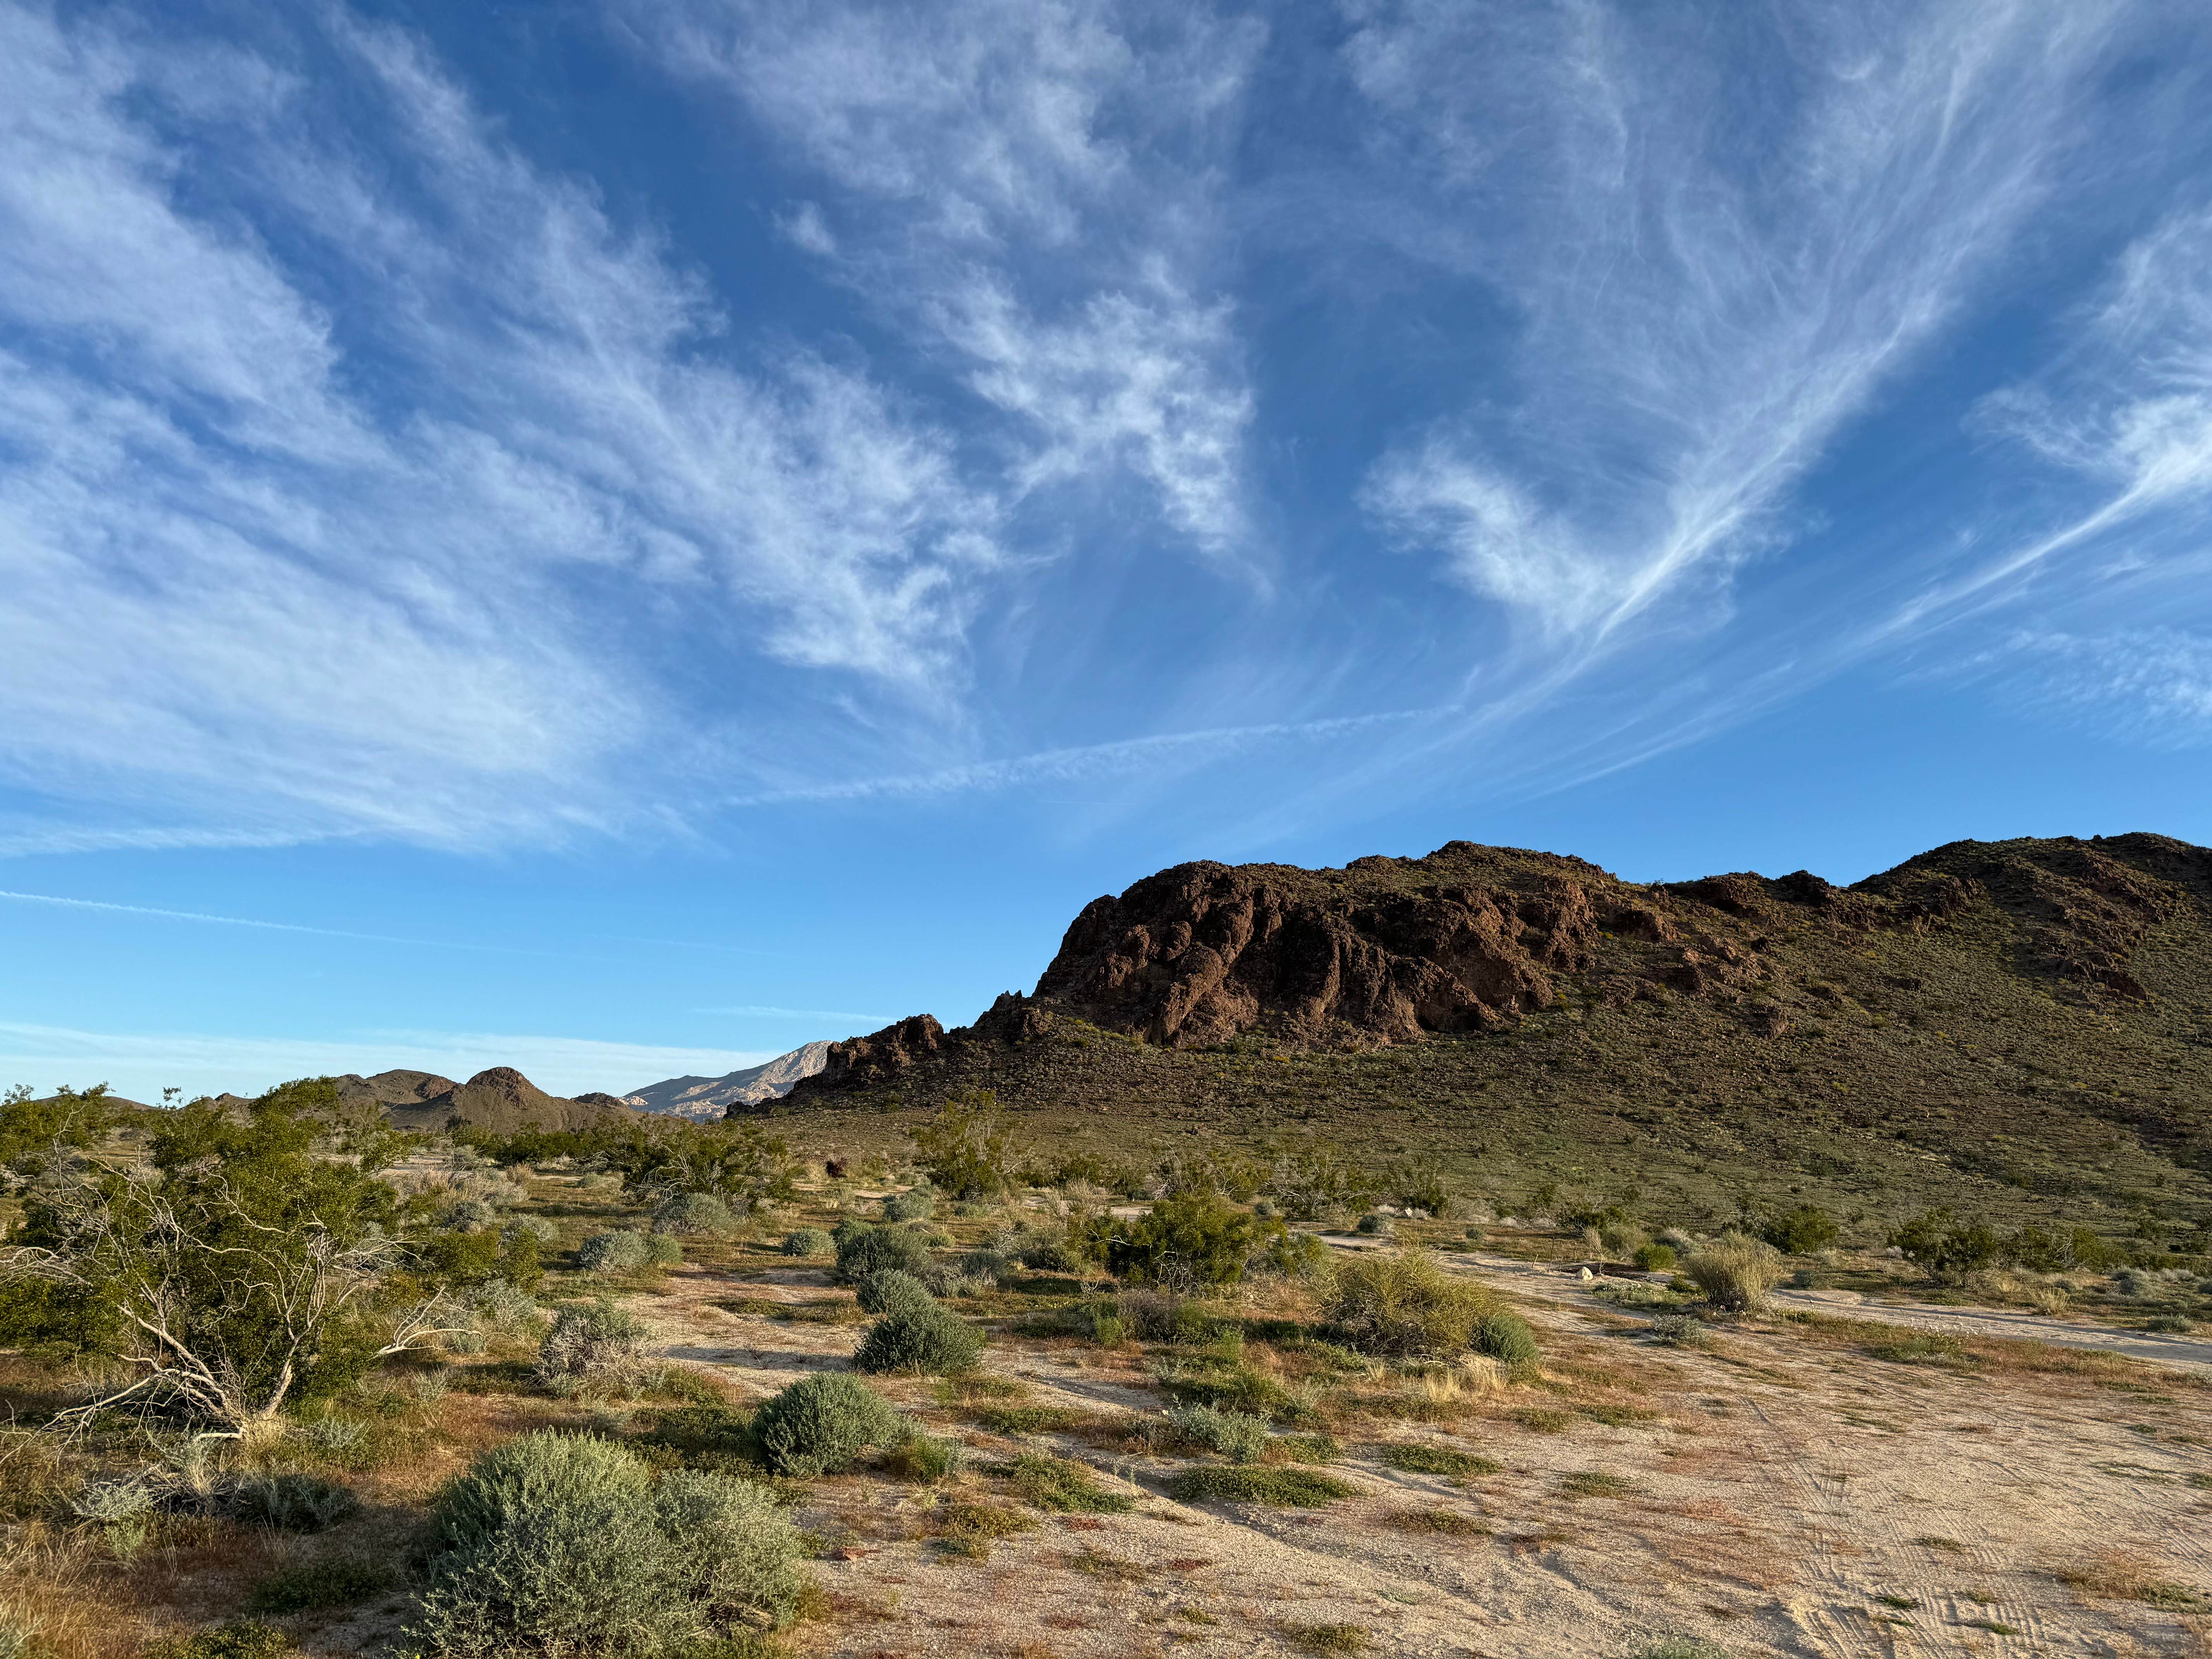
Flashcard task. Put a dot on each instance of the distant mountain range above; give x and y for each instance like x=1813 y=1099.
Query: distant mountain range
x=702 y=1099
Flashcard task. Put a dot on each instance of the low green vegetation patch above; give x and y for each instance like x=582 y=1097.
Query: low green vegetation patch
x=1446 y=1523
x=1245 y=1483
x=1056 y=1483
x=1923 y=1348
x=337 y=1583
x=1416 y=1458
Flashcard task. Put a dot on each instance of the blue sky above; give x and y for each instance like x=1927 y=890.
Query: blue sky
x=621 y=539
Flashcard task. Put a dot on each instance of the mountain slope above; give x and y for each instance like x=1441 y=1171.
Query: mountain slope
x=2022 y=1027
x=704 y=1097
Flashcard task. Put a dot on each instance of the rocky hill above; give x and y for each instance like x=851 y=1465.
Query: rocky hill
x=2023 y=1017
x=500 y=1099
x=701 y=1099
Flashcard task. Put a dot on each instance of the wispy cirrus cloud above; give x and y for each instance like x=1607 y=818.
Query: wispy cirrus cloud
x=1712 y=288
x=1037 y=185
x=321 y=471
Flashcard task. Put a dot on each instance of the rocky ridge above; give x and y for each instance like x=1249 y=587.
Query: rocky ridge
x=1473 y=939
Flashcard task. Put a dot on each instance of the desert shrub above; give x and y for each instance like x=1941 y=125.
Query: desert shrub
x=925 y=1341
x=1420 y=1184
x=986 y=1267
x=1506 y=1338
x=926 y=1458
x=1188 y=1240
x=1806 y=1230
x=1654 y=1258
x=1245 y=1483
x=967 y=1148
x=1404 y=1305
x=244 y=1638
x=292 y=1502
x=1238 y=1436
x=499 y=1305
x=615 y=1251
x=1680 y=1330
x=862 y=1249
x=338 y=1583
x=1736 y=1273
x=821 y=1423
x=889 y=1291
x=528 y=1226
x=1622 y=1239
x=1319 y=1181
x=1045 y=1249
x=807 y=1242
x=1938 y=1241
x=1056 y=1483
x=592 y=1342
x=741 y=1546
x=1376 y=1225
x=695 y=1215
x=1293 y=1256
x=550 y=1545
x=917 y=1204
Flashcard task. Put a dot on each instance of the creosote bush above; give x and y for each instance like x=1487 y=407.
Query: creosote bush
x=1186 y=1241
x=1736 y=1273
x=554 y=1545
x=808 y=1242
x=1404 y=1304
x=821 y=1424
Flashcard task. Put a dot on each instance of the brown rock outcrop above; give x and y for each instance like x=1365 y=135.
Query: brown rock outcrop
x=1200 y=953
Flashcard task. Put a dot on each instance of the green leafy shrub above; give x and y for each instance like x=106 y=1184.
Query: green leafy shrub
x=1244 y=1483
x=1736 y=1273
x=1376 y=1225
x=1655 y=1258
x=1680 y=1330
x=553 y=1546
x=1404 y=1304
x=966 y=1147
x=1506 y=1338
x=1806 y=1230
x=1238 y=1436
x=916 y=1204
x=292 y=1502
x=1294 y=1255
x=695 y=1215
x=592 y=1343
x=862 y=1249
x=1937 y=1241
x=337 y=1583
x=808 y=1242
x=821 y=1423
x=927 y=1341
x=888 y=1291
x=1188 y=1240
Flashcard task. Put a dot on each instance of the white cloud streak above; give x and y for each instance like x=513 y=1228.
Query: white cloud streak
x=309 y=494
x=1037 y=184
x=1711 y=290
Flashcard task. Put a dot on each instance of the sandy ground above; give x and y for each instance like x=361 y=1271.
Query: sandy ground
x=1783 y=1493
